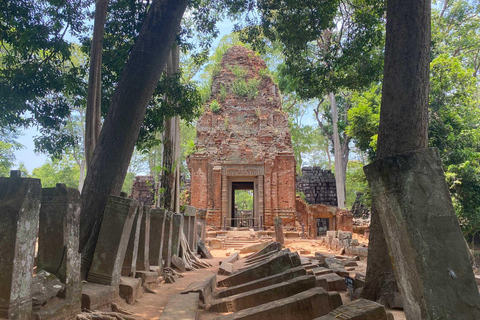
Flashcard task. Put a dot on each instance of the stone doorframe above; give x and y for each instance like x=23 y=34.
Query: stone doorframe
x=243 y=172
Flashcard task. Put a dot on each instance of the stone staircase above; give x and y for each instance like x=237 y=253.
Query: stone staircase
x=238 y=243
x=238 y=239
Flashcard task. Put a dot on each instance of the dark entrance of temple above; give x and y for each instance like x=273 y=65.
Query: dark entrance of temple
x=322 y=226
x=243 y=208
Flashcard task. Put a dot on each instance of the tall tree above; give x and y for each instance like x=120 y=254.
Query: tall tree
x=93 y=115
x=337 y=50
x=403 y=117
x=125 y=117
x=169 y=194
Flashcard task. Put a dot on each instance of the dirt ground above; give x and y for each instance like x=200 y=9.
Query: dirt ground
x=150 y=306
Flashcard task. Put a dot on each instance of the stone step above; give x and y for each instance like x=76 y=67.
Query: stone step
x=181 y=306
x=263 y=295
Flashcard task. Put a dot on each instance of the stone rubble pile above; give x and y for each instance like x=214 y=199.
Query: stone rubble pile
x=338 y=240
x=273 y=284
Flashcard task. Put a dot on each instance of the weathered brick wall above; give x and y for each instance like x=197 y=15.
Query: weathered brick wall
x=318 y=186
x=344 y=220
x=143 y=189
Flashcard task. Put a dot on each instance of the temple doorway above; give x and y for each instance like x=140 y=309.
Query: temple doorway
x=243 y=203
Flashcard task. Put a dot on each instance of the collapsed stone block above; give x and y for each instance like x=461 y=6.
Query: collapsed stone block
x=335 y=282
x=277 y=263
x=418 y=219
x=130 y=289
x=19 y=207
x=253 y=247
x=263 y=282
x=305 y=305
x=358 y=310
x=263 y=295
x=98 y=296
x=130 y=262
x=45 y=286
x=181 y=306
x=58 y=240
x=205 y=287
x=260 y=258
x=226 y=268
x=203 y=250
x=321 y=271
x=148 y=277
x=111 y=246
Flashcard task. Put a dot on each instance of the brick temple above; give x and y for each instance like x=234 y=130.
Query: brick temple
x=243 y=143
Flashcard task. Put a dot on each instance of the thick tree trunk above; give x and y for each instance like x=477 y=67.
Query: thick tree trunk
x=403 y=116
x=169 y=186
x=93 y=122
x=340 y=169
x=127 y=111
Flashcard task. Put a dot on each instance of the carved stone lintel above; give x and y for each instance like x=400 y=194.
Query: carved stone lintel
x=243 y=170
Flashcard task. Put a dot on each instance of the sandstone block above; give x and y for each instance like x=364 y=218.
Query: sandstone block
x=358 y=310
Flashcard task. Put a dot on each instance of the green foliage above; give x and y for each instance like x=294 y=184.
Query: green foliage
x=8 y=146
x=171 y=98
x=309 y=144
x=244 y=199
x=238 y=71
x=454 y=130
x=363 y=118
x=246 y=88
x=301 y=195
x=188 y=133
x=39 y=72
x=223 y=93
x=454 y=117
x=456 y=31
x=357 y=182
x=215 y=106
x=56 y=171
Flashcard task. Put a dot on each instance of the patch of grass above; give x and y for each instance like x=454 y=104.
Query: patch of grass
x=223 y=93
x=243 y=88
x=215 y=106
x=239 y=72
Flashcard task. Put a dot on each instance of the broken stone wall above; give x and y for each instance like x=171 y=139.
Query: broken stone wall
x=143 y=189
x=318 y=186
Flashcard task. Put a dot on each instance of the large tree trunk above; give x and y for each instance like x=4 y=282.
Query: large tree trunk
x=170 y=179
x=340 y=163
x=127 y=111
x=403 y=116
x=93 y=116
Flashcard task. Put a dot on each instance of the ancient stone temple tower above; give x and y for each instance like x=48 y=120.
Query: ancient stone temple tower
x=243 y=143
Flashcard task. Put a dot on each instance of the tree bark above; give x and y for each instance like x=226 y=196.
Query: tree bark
x=127 y=111
x=93 y=116
x=403 y=116
x=170 y=180
x=337 y=149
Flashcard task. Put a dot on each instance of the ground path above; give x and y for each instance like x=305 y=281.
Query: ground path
x=150 y=306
